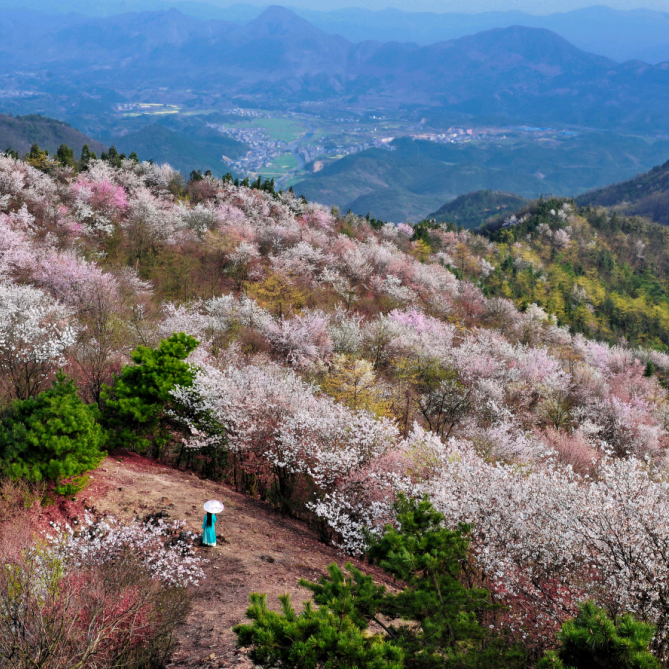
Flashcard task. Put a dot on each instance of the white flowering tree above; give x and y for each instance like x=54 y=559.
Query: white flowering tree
x=35 y=333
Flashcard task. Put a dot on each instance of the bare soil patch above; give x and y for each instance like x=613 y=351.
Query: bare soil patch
x=258 y=549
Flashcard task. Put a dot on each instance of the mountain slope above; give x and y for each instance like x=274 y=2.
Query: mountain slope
x=185 y=153
x=605 y=276
x=347 y=362
x=396 y=186
x=645 y=195
x=419 y=176
x=20 y=132
x=473 y=209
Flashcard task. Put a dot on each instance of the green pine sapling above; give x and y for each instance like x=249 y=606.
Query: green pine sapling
x=135 y=406
x=52 y=436
x=433 y=623
x=593 y=641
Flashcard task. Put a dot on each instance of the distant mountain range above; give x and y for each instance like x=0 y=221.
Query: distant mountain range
x=510 y=73
x=639 y=34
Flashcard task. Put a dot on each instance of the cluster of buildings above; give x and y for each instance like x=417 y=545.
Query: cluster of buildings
x=263 y=150
x=16 y=94
x=246 y=113
x=312 y=151
x=451 y=136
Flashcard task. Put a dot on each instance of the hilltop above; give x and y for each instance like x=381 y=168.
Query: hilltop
x=20 y=132
x=474 y=209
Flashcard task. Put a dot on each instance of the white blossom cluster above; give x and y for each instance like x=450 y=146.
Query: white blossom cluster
x=164 y=549
x=550 y=538
x=271 y=413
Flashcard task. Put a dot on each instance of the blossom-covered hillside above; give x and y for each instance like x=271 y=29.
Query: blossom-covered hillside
x=602 y=274
x=341 y=364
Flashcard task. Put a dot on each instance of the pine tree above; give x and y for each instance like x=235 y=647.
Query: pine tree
x=39 y=159
x=593 y=641
x=440 y=617
x=52 y=436
x=429 y=558
x=333 y=635
x=134 y=408
x=65 y=156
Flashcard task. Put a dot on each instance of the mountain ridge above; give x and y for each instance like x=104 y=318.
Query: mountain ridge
x=20 y=132
x=515 y=72
x=632 y=34
x=646 y=195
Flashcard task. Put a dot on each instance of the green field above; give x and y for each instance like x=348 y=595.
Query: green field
x=280 y=129
x=199 y=112
x=280 y=166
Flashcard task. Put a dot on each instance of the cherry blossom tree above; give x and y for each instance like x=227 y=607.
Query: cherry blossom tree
x=35 y=333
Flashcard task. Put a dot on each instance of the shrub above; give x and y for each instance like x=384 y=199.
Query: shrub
x=110 y=597
x=593 y=641
x=52 y=436
x=134 y=408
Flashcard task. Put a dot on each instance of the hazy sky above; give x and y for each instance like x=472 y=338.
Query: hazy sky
x=468 y=6
x=464 y=6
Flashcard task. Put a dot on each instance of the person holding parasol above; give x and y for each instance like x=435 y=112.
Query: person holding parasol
x=212 y=507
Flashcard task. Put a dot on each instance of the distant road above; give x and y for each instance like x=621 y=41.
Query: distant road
x=293 y=148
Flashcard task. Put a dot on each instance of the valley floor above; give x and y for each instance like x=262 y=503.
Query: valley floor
x=261 y=551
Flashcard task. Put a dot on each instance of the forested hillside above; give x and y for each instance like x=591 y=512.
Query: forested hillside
x=602 y=274
x=21 y=132
x=645 y=195
x=434 y=399
x=417 y=176
x=472 y=210
x=202 y=148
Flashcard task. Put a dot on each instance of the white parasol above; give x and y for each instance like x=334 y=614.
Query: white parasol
x=213 y=506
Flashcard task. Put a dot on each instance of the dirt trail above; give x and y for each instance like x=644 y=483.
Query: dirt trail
x=262 y=552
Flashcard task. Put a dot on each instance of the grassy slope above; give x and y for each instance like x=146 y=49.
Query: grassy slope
x=19 y=133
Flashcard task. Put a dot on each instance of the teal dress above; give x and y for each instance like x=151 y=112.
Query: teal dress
x=209 y=534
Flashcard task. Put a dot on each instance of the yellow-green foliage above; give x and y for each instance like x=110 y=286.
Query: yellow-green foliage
x=602 y=275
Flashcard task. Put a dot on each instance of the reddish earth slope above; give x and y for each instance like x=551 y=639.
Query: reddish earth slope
x=261 y=551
